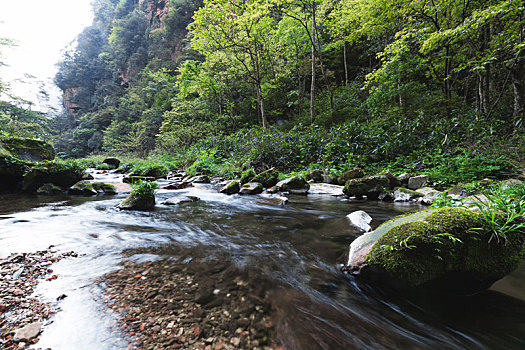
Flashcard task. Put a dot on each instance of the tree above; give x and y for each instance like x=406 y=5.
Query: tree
x=244 y=30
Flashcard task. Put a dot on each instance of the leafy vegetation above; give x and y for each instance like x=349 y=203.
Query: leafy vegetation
x=144 y=189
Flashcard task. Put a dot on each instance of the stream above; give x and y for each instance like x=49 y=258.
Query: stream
x=297 y=247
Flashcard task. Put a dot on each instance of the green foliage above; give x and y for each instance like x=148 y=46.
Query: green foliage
x=144 y=189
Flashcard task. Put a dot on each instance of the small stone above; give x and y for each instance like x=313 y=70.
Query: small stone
x=416 y=182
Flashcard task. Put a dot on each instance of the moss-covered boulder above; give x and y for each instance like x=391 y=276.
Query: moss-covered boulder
x=267 y=178
x=369 y=186
x=294 y=185
x=402 y=194
x=447 y=249
x=49 y=190
x=251 y=188
x=349 y=175
x=61 y=174
x=247 y=176
x=83 y=188
x=231 y=188
x=315 y=175
x=136 y=202
x=114 y=163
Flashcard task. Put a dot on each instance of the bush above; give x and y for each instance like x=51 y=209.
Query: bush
x=144 y=189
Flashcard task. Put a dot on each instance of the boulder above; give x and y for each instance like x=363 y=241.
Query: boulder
x=369 y=186
x=61 y=174
x=451 y=250
x=179 y=185
x=231 y=188
x=112 y=162
x=294 y=185
x=328 y=179
x=429 y=195
x=386 y=196
x=134 y=202
x=267 y=178
x=403 y=178
x=49 y=189
x=251 y=188
x=361 y=220
x=275 y=201
x=201 y=179
x=393 y=181
x=402 y=194
x=247 y=176
x=511 y=183
x=349 y=175
x=83 y=188
x=416 y=182
x=315 y=175
x=326 y=189
x=28 y=333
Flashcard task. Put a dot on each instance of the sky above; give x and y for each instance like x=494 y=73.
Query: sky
x=41 y=30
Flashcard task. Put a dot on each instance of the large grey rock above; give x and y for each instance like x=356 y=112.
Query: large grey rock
x=416 y=182
x=28 y=333
x=113 y=162
x=326 y=189
x=294 y=185
x=404 y=195
x=361 y=220
x=511 y=183
x=369 y=186
x=267 y=178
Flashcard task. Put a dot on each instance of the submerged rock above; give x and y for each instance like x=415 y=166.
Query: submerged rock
x=447 y=249
x=231 y=188
x=360 y=219
x=180 y=200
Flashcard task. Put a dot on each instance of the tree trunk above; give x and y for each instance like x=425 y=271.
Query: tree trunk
x=346 y=65
x=518 y=86
x=312 y=85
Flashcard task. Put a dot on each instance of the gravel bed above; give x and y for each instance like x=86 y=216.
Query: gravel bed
x=19 y=275
x=168 y=304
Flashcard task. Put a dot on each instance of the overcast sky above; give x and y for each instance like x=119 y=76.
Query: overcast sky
x=41 y=29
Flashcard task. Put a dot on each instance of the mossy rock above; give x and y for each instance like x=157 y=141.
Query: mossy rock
x=231 y=188
x=349 y=175
x=447 y=249
x=369 y=186
x=134 y=202
x=294 y=185
x=49 y=189
x=113 y=163
x=315 y=175
x=27 y=149
x=60 y=174
x=247 y=176
x=251 y=188
x=267 y=178
x=12 y=172
x=84 y=188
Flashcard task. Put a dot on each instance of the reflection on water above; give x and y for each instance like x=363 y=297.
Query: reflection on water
x=297 y=246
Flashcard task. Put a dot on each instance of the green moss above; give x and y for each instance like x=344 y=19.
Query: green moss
x=31 y=149
x=448 y=240
x=413 y=194
x=267 y=178
x=247 y=175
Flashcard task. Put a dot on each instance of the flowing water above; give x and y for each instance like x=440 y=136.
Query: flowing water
x=297 y=247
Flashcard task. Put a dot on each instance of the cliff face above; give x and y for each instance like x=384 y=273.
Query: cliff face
x=71 y=105
x=156 y=10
